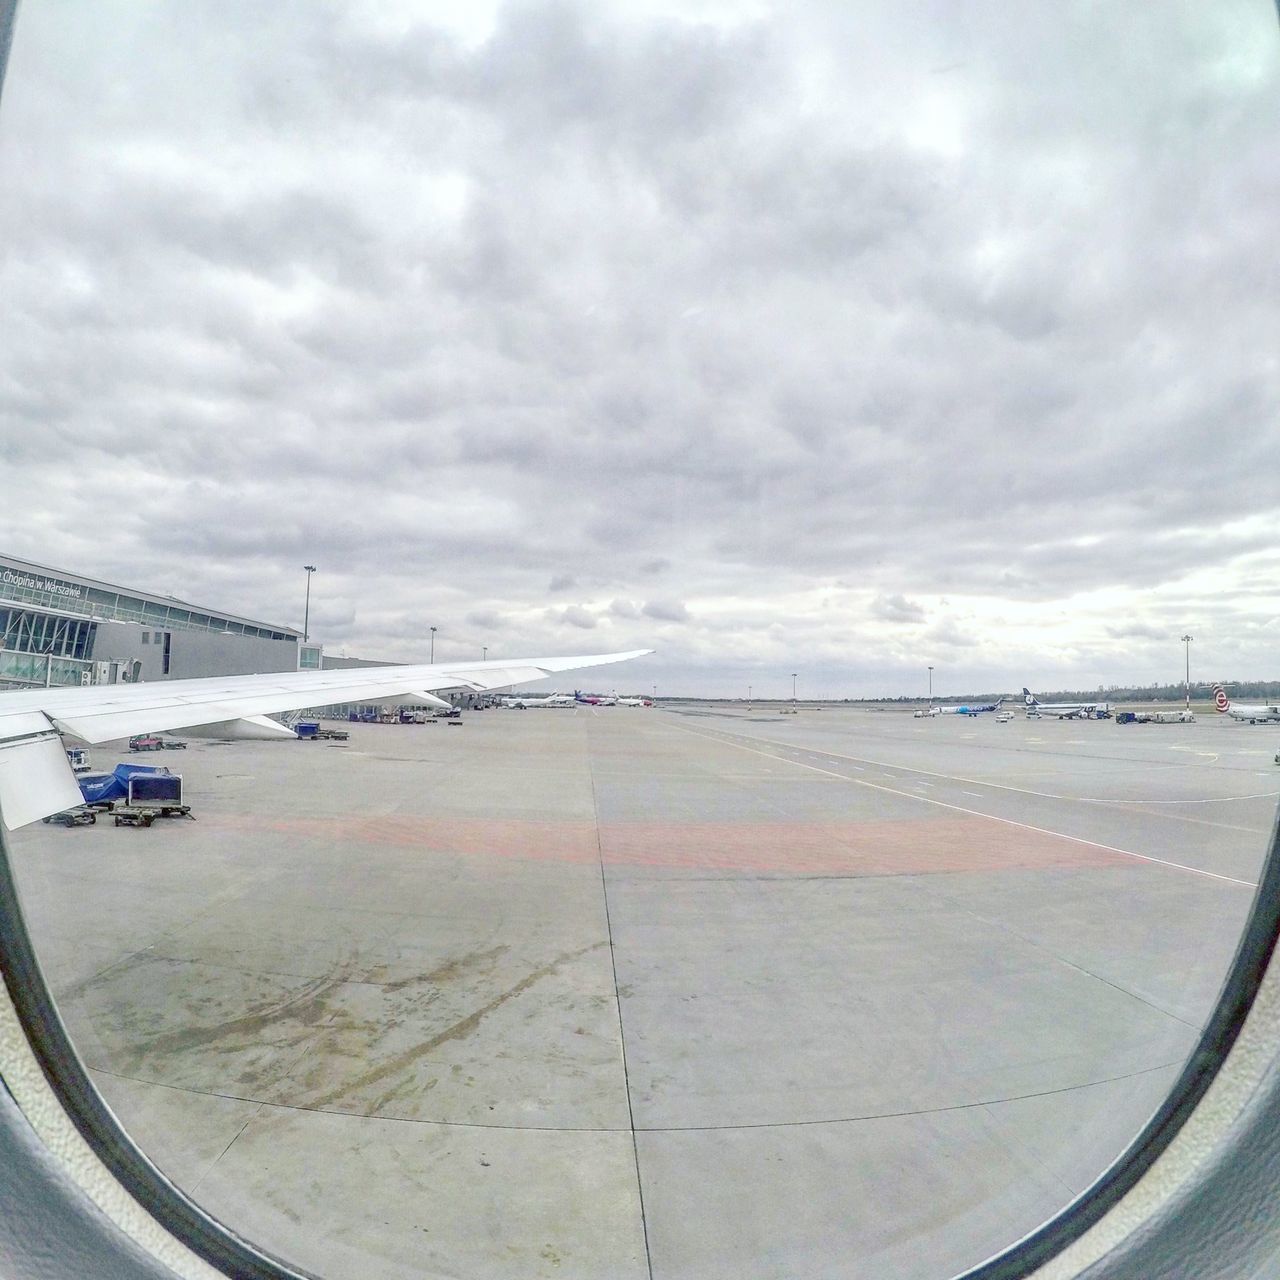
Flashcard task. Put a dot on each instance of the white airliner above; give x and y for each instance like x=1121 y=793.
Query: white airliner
x=36 y=780
x=635 y=702
x=1255 y=713
x=522 y=701
x=966 y=709
x=1065 y=710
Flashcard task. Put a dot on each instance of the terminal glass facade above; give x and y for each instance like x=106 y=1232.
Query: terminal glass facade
x=30 y=584
x=30 y=631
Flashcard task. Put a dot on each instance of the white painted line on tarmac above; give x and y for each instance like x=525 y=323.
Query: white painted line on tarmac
x=1026 y=791
x=977 y=813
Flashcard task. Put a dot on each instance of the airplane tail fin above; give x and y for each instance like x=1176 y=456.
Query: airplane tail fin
x=1220 y=700
x=1029 y=698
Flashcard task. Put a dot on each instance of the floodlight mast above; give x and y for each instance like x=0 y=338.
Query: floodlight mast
x=306 y=608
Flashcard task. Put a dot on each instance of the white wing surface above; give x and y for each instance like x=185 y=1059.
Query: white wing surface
x=35 y=779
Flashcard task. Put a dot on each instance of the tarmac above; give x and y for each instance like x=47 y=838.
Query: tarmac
x=680 y=993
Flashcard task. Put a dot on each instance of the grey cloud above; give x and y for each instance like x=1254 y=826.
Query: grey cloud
x=562 y=582
x=576 y=616
x=666 y=610
x=951 y=635
x=897 y=608
x=624 y=609
x=1138 y=631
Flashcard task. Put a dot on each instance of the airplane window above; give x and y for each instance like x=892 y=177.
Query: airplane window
x=899 y=377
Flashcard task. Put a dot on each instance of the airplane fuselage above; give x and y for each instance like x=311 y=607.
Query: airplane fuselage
x=1254 y=713
x=1066 y=710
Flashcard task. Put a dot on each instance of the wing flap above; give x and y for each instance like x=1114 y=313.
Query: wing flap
x=421 y=695
x=35 y=780
x=259 y=728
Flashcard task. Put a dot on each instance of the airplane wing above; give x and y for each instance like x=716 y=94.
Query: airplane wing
x=35 y=779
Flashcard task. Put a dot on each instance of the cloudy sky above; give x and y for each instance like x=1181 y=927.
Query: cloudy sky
x=839 y=339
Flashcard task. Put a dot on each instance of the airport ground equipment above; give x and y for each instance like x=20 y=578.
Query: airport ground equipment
x=101 y=790
x=159 y=791
x=82 y=816
x=106 y=790
x=311 y=731
x=154 y=742
x=78 y=759
x=126 y=816
x=151 y=796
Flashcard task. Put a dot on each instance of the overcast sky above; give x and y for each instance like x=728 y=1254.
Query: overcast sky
x=839 y=339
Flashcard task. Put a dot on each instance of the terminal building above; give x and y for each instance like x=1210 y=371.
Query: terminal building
x=60 y=628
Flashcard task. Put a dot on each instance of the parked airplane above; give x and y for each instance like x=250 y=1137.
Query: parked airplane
x=971 y=709
x=521 y=701
x=596 y=699
x=1255 y=713
x=1066 y=710
x=36 y=780
x=635 y=702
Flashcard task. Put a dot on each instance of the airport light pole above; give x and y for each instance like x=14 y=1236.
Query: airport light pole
x=931 y=686
x=1186 y=644
x=433 y=645
x=484 y=653
x=306 y=608
x=793 y=692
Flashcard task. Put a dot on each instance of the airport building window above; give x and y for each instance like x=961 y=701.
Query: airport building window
x=31 y=631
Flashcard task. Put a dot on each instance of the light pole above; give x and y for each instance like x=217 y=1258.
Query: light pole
x=793 y=693
x=484 y=653
x=931 y=686
x=1186 y=644
x=655 y=694
x=433 y=645
x=306 y=608
x=748 y=697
